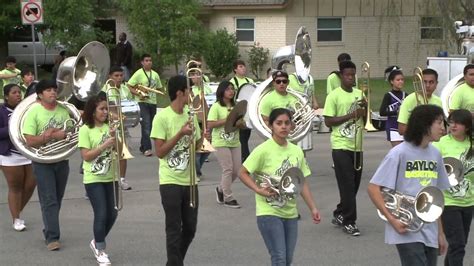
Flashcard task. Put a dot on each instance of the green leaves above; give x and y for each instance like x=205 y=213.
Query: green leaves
x=258 y=57
x=222 y=50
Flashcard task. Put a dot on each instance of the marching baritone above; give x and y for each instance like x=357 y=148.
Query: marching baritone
x=96 y=140
x=15 y=167
x=43 y=124
x=171 y=133
x=344 y=111
x=306 y=87
x=278 y=223
x=463 y=97
x=430 y=82
x=408 y=168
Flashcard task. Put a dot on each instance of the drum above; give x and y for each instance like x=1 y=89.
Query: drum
x=131 y=111
x=306 y=144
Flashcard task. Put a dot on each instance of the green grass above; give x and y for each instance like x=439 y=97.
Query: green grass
x=378 y=87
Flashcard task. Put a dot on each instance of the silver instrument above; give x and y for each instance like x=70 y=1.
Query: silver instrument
x=286 y=187
x=426 y=207
x=454 y=169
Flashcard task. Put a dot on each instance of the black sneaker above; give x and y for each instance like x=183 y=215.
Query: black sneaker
x=232 y=204
x=219 y=196
x=351 y=229
x=337 y=220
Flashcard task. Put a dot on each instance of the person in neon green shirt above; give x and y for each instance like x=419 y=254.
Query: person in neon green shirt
x=430 y=81
x=172 y=134
x=278 y=225
x=459 y=199
x=463 y=97
x=27 y=79
x=43 y=124
x=334 y=79
x=227 y=144
x=147 y=77
x=306 y=87
x=344 y=111
x=11 y=74
x=96 y=141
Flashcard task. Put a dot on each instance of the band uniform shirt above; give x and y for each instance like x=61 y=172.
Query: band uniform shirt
x=463 y=98
x=219 y=137
x=125 y=93
x=461 y=194
x=174 y=167
x=294 y=83
x=152 y=80
x=407 y=169
x=15 y=80
x=101 y=168
x=410 y=103
x=275 y=100
x=339 y=103
x=197 y=90
x=334 y=81
x=39 y=119
x=272 y=159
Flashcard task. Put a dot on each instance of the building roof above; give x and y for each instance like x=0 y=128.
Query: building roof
x=243 y=4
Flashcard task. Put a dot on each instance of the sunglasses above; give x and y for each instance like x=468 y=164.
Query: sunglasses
x=278 y=81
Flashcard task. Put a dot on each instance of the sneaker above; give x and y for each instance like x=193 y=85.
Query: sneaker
x=86 y=197
x=219 y=196
x=19 y=225
x=337 y=220
x=124 y=185
x=351 y=229
x=95 y=250
x=148 y=153
x=103 y=258
x=54 y=246
x=232 y=204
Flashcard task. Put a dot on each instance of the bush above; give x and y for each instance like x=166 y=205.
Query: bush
x=221 y=51
x=258 y=57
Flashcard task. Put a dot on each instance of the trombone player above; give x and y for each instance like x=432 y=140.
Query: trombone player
x=423 y=96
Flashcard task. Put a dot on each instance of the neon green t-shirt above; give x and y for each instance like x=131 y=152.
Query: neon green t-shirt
x=334 y=81
x=462 y=194
x=297 y=86
x=174 y=167
x=463 y=98
x=152 y=80
x=100 y=169
x=275 y=100
x=14 y=80
x=38 y=119
x=410 y=103
x=340 y=103
x=238 y=82
x=272 y=159
x=207 y=89
x=219 y=137
x=125 y=93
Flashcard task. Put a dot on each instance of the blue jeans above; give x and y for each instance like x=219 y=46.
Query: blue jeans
x=417 y=254
x=147 y=113
x=101 y=196
x=280 y=237
x=51 y=181
x=200 y=159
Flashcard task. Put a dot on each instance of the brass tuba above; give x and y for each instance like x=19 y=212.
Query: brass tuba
x=426 y=207
x=286 y=187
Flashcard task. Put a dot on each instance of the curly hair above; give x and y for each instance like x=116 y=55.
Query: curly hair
x=420 y=121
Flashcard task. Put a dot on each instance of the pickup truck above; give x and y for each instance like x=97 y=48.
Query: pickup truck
x=20 y=45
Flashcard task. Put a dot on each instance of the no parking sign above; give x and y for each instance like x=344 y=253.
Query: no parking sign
x=31 y=12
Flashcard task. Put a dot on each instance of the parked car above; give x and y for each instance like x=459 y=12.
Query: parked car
x=20 y=45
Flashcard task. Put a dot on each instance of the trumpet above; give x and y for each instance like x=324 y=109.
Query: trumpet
x=419 y=87
x=144 y=91
x=120 y=150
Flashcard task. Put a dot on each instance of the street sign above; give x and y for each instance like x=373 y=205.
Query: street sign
x=31 y=12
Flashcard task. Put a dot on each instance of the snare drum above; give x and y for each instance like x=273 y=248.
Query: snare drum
x=131 y=111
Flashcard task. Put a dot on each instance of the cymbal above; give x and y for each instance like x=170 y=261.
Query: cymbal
x=237 y=113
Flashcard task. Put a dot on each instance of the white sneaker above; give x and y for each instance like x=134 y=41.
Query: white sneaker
x=103 y=258
x=95 y=250
x=18 y=225
x=124 y=185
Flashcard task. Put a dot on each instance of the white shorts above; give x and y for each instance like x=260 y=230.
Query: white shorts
x=395 y=136
x=14 y=159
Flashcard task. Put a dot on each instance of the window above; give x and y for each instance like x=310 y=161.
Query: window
x=23 y=34
x=431 y=28
x=245 y=29
x=329 y=29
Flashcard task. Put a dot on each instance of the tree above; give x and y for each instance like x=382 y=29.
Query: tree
x=167 y=28
x=9 y=16
x=221 y=51
x=258 y=57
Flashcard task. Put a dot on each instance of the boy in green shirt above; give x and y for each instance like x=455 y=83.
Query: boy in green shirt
x=334 y=80
x=11 y=74
x=463 y=97
x=344 y=111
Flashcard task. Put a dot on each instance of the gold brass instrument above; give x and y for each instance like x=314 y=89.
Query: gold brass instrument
x=120 y=150
x=419 y=87
x=286 y=187
x=365 y=88
x=426 y=207
x=193 y=110
x=144 y=91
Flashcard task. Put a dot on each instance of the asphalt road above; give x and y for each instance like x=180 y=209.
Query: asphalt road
x=224 y=237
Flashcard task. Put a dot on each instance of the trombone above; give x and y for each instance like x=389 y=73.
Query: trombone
x=419 y=87
x=120 y=150
x=365 y=88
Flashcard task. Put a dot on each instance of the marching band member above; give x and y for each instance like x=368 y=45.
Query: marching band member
x=116 y=74
x=391 y=104
x=227 y=144
x=15 y=167
x=296 y=84
x=238 y=80
x=96 y=139
x=278 y=226
x=463 y=97
x=10 y=74
x=430 y=81
x=171 y=133
x=459 y=199
x=407 y=168
x=334 y=79
x=343 y=111
x=27 y=79
x=147 y=77
x=44 y=123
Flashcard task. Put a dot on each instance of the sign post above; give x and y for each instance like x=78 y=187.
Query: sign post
x=32 y=14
